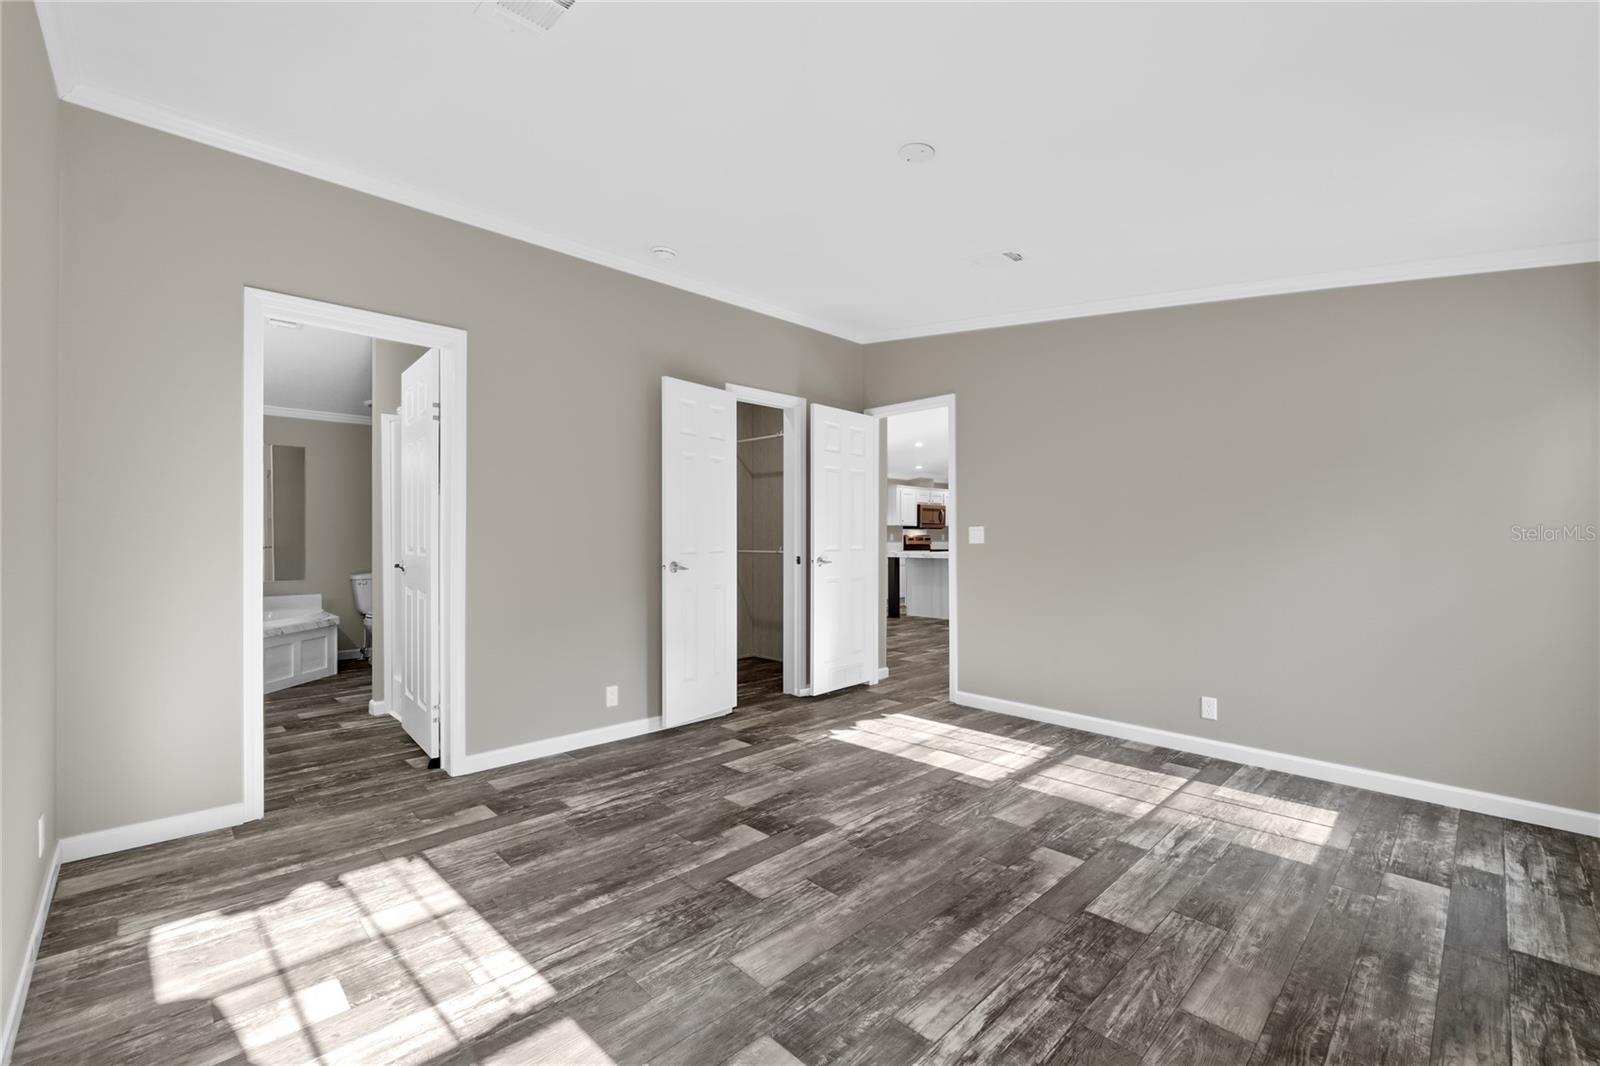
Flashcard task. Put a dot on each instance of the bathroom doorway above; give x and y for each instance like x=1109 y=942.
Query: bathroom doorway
x=354 y=519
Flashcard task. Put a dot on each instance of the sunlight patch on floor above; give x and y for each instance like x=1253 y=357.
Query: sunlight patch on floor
x=1109 y=786
x=389 y=965
x=985 y=756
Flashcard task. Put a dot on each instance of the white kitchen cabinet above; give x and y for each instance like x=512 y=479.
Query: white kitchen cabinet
x=900 y=503
x=906 y=504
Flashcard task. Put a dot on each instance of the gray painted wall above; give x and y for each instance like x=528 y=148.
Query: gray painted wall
x=338 y=505
x=28 y=301
x=1302 y=505
x=159 y=238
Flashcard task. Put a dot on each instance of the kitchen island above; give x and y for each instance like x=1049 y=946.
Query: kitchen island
x=924 y=581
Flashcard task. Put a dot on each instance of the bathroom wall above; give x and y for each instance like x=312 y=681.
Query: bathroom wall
x=338 y=514
x=389 y=359
x=29 y=269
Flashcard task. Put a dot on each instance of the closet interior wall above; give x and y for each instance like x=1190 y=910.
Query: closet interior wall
x=760 y=532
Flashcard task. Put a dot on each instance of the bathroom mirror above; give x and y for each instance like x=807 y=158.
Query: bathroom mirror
x=285 y=483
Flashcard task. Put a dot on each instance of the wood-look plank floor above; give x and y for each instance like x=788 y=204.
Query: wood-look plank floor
x=876 y=876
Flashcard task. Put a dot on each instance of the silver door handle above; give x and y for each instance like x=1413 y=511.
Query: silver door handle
x=675 y=566
x=824 y=562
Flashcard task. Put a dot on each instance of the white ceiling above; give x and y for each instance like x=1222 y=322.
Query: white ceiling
x=919 y=439
x=311 y=369
x=1138 y=155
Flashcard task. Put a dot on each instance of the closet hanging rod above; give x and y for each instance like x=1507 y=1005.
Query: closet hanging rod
x=760 y=551
x=752 y=440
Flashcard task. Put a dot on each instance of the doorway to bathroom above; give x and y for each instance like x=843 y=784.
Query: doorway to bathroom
x=354 y=523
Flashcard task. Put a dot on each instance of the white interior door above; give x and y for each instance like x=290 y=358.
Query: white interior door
x=845 y=529
x=419 y=542
x=389 y=469
x=699 y=567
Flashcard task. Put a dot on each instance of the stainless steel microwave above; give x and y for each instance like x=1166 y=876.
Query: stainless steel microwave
x=930 y=516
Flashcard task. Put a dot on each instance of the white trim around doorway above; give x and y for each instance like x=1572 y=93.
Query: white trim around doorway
x=260 y=305
x=796 y=586
x=952 y=523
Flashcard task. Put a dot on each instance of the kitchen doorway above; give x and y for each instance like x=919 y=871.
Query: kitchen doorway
x=921 y=553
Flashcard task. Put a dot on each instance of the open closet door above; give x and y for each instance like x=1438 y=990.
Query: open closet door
x=845 y=528
x=419 y=551
x=699 y=567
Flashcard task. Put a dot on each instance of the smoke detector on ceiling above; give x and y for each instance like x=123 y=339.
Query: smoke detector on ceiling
x=524 y=13
x=916 y=152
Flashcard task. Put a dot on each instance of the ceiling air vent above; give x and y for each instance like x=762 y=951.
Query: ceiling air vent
x=540 y=13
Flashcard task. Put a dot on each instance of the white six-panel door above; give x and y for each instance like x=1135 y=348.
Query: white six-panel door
x=699 y=565
x=418 y=612
x=845 y=530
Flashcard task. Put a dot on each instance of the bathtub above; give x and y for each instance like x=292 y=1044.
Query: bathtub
x=300 y=641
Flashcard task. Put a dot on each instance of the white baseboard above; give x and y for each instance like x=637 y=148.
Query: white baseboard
x=377 y=708
x=1565 y=818
x=491 y=760
x=105 y=841
x=19 y=997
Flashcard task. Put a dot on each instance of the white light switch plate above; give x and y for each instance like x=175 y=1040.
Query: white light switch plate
x=611 y=695
x=974 y=534
x=1208 y=707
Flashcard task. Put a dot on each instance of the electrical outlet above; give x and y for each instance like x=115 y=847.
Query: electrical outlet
x=1208 y=707
x=974 y=534
x=611 y=695
x=41 y=836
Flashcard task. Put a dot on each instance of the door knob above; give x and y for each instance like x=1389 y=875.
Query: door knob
x=400 y=567
x=675 y=566
x=824 y=562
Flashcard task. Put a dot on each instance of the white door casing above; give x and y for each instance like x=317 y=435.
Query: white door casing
x=845 y=530
x=418 y=550
x=699 y=566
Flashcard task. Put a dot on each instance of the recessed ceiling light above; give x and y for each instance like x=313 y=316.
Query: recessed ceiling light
x=663 y=253
x=917 y=445
x=916 y=152
x=283 y=323
x=919 y=466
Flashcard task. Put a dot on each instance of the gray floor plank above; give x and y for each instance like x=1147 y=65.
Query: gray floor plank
x=782 y=885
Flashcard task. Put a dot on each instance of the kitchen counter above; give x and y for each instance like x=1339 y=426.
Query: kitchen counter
x=896 y=553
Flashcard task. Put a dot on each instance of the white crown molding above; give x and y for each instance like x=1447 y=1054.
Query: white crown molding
x=119 y=105
x=1418 y=270
x=1568 y=819
x=19 y=994
x=317 y=416
x=63 y=65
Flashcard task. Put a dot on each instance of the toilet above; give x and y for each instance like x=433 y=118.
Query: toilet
x=361 y=585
